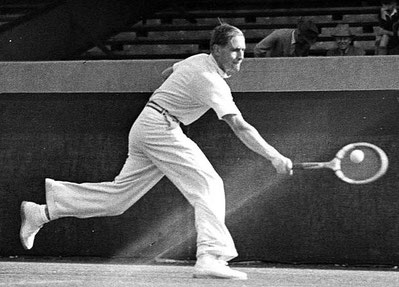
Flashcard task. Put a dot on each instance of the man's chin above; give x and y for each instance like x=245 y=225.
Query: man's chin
x=233 y=70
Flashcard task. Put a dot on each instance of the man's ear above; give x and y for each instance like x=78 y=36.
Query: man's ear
x=215 y=50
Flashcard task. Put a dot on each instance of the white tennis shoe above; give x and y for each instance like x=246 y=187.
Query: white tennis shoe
x=209 y=266
x=33 y=218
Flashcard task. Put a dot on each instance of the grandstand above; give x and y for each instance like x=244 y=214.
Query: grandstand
x=168 y=34
x=156 y=30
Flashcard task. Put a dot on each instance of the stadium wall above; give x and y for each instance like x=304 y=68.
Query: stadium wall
x=70 y=121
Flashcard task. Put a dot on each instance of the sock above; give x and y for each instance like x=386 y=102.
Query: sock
x=47 y=212
x=43 y=214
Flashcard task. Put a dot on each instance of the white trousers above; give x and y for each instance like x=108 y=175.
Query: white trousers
x=157 y=147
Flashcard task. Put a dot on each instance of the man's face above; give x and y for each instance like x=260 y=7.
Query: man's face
x=303 y=45
x=343 y=42
x=307 y=41
x=230 y=57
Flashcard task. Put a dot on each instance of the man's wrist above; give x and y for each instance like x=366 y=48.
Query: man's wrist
x=274 y=156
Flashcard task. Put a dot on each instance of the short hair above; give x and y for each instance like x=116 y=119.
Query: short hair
x=387 y=2
x=307 y=26
x=222 y=34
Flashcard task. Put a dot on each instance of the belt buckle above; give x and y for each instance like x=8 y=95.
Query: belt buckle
x=162 y=111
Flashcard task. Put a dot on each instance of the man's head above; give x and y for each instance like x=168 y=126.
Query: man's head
x=389 y=5
x=306 y=35
x=307 y=32
x=343 y=36
x=227 y=46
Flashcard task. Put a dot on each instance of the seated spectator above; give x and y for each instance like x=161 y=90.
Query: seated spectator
x=289 y=42
x=344 y=41
x=387 y=42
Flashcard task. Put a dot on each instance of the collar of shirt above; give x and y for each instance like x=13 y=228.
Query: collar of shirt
x=293 y=41
x=385 y=14
x=216 y=66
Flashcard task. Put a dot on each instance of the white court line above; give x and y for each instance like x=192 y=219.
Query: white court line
x=41 y=282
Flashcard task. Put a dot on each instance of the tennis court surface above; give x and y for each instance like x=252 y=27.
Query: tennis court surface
x=96 y=274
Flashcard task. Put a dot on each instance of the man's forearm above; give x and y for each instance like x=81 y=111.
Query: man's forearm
x=254 y=141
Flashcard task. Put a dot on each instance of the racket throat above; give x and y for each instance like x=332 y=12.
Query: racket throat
x=335 y=164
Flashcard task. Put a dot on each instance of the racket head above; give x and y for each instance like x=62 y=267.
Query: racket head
x=372 y=167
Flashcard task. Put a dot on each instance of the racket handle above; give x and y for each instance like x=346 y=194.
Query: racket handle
x=307 y=165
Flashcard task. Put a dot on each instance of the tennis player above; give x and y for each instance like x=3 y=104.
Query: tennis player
x=158 y=147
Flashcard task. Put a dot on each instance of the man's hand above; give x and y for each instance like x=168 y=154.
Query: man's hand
x=283 y=165
x=386 y=32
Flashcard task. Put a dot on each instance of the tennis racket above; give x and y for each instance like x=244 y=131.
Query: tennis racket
x=369 y=168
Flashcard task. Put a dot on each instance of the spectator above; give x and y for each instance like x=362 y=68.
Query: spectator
x=289 y=42
x=344 y=42
x=387 y=42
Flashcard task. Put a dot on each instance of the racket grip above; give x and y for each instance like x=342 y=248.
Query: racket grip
x=297 y=166
x=307 y=165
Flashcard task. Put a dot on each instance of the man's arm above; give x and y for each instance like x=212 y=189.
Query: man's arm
x=254 y=141
x=264 y=47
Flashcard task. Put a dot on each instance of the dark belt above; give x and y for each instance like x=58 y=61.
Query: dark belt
x=161 y=110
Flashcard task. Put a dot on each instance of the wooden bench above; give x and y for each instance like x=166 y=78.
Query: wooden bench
x=363 y=37
x=144 y=30
x=13 y=14
x=335 y=12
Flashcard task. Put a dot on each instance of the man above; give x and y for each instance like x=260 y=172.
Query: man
x=387 y=40
x=158 y=147
x=289 y=42
x=344 y=41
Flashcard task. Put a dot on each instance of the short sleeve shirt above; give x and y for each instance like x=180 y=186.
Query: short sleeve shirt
x=196 y=85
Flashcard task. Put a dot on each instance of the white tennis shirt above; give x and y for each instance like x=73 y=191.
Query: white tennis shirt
x=196 y=85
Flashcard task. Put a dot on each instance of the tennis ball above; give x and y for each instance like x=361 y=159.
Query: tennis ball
x=357 y=156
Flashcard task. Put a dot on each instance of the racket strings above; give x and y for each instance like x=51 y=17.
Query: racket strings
x=373 y=165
